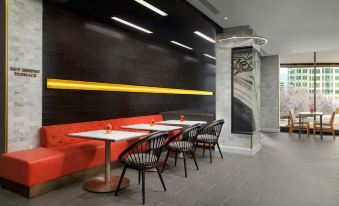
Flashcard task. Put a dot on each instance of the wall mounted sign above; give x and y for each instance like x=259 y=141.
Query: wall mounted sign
x=24 y=72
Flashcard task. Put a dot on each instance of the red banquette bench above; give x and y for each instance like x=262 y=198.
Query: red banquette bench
x=61 y=160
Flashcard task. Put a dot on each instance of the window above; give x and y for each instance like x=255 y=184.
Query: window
x=327 y=70
x=327 y=91
x=327 y=78
x=301 y=87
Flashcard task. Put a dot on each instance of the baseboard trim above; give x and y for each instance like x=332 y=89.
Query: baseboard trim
x=240 y=150
x=45 y=187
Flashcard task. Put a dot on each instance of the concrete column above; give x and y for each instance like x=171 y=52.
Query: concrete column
x=269 y=93
x=229 y=142
x=24 y=73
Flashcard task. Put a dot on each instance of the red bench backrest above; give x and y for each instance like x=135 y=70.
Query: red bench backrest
x=56 y=135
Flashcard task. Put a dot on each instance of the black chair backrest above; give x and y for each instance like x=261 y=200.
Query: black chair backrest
x=189 y=135
x=213 y=129
x=144 y=150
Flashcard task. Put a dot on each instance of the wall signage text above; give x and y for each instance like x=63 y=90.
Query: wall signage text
x=24 y=72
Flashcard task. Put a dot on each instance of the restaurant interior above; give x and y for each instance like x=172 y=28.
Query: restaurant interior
x=171 y=102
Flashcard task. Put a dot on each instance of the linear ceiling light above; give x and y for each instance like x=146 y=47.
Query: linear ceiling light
x=209 y=56
x=182 y=45
x=108 y=87
x=204 y=36
x=131 y=25
x=153 y=8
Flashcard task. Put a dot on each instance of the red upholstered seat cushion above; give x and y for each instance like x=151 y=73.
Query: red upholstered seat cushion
x=60 y=155
x=56 y=135
x=34 y=166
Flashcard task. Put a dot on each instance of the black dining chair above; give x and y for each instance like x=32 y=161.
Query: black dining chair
x=143 y=155
x=184 y=143
x=209 y=135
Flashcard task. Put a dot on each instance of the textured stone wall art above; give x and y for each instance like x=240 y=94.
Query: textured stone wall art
x=245 y=90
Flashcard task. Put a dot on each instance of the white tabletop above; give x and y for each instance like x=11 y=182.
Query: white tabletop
x=181 y=123
x=311 y=113
x=148 y=127
x=115 y=136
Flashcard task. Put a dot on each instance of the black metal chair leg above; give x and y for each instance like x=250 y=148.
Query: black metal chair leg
x=139 y=176
x=203 y=151
x=160 y=176
x=185 y=164
x=143 y=186
x=176 y=156
x=195 y=161
x=210 y=152
x=222 y=157
x=121 y=178
x=163 y=167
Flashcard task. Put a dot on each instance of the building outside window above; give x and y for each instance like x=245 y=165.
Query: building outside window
x=298 y=92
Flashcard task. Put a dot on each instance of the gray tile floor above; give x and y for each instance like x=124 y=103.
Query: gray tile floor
x=287 y=171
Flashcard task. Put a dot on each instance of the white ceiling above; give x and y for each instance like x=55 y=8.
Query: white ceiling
x=289 y=25
x=299 y=58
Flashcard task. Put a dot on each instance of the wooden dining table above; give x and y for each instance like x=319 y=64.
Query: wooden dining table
x=311 y=114
x=181 y=123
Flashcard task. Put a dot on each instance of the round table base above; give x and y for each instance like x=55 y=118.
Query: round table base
x=98 y=184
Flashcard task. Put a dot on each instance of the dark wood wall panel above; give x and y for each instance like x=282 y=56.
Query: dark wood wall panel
x=79 y=47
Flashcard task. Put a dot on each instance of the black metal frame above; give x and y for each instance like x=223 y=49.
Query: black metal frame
x=143 y=155
x=184 y=142
x=213 y=129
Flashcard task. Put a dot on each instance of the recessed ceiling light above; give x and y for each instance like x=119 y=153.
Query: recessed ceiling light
x=153 y=8
x=226 y=18
x=204 y=36
x=182 y=45
x=131 y=25
x=209 y=56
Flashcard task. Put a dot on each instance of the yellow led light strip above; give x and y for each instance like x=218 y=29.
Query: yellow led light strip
x=97 y=86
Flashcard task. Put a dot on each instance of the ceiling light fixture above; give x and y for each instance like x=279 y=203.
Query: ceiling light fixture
x=209 y=56
x=226 y=18
x=153 y=8
x=204 y=36
x=257 y=40
x=182 y=45
x=131 y=25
